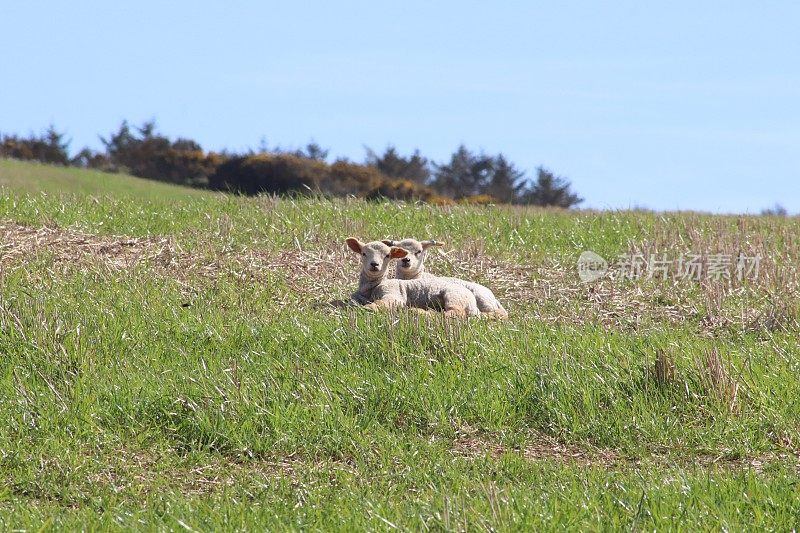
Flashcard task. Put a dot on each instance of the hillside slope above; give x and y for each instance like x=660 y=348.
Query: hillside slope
x=30 y=177
x=175 y=360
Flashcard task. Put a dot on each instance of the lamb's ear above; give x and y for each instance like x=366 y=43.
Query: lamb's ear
x=428 y=244
x=397 y=253
x=388 y=242
x=354 y=244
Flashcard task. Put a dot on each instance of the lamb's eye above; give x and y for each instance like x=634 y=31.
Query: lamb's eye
x=388 y=256
x=417 y=253
x=364 y=254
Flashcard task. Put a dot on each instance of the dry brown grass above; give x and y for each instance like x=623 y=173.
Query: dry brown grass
x=124 y=469
x=18 y=243
x=549 y=291
x=664 y=370
x=144 y=471
x=471 y=444
x=717 y=378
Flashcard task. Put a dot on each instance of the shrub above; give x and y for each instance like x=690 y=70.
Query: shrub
x=402 y=190
x=284 y=173
x=351 y=178
x=153 y=156
x=413 y=168
x=479 y=199
x=47 y=148
x=267 y=173
x=550 y=190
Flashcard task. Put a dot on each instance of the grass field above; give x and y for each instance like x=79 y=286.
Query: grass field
x=178 y=360
x=33 y=178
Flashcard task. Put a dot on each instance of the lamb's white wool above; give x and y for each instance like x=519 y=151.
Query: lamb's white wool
x=412 y=266
x=388 y=293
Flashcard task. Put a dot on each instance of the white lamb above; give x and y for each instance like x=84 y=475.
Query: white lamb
x=388 y=293
x=412 y=266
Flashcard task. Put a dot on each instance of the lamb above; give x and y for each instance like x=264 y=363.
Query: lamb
x=412 y=266
x=388 y=293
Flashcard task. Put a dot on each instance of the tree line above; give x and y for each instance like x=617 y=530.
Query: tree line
x=467 y=177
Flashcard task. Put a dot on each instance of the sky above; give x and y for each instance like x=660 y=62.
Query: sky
x=675 y=105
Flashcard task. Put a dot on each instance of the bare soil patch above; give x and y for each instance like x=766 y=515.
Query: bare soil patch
x=473 y=445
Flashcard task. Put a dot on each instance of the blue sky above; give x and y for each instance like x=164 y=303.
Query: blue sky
x=681 y=105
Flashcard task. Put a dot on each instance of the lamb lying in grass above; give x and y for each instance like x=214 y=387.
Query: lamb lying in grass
x=388 y=293
x=412 y=266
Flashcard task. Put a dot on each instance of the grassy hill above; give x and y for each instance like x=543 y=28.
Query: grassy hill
x=180 y=360
x=30 y=177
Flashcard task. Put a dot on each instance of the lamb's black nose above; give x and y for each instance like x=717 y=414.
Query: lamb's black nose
x=406 y=260
x=373 y=264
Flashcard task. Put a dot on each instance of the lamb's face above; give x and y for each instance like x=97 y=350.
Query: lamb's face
x=412 y=264
x=375 y=256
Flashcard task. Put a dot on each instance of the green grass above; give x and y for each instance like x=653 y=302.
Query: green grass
x=196 y=383
x=36 y=178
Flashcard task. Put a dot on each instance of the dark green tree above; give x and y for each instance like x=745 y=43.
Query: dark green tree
x=506 y=183
x=88 y=158
x=550 y=190
x=313 y=151
x=51 y=147
x=466 y=174
x=776 y=210
x=56 y=147
x=148 y=154
x=414 y=168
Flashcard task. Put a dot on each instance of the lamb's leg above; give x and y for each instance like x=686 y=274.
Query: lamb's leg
x=393 y=305
x=359 y=299
x=384 y=304
x=495 y=315
x=459 y=305
x=455 y=311
x=495 y=312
